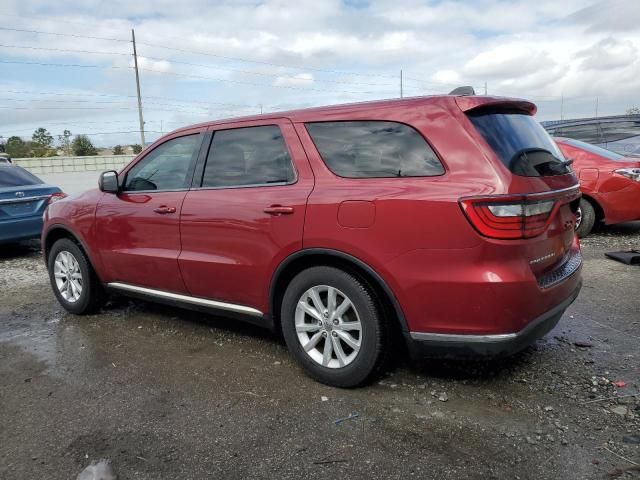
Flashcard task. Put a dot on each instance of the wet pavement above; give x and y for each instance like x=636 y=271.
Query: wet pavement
x=171 y=394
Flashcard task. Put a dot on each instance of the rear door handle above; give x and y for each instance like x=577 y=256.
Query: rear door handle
x=163 y=209
x=279 y=210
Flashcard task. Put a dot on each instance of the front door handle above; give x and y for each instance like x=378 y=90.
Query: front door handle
x=279 y=210
x=163 y=209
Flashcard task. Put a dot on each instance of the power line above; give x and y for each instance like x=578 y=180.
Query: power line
x=108 y=95
x=77 y=65
x=241 y=82
x=66 y=50
x=273 y=64
x=64 y=34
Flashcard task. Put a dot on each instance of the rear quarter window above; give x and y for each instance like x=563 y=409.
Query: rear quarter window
x=374 y=149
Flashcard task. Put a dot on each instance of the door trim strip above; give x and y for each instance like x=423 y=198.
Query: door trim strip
x=231 y=307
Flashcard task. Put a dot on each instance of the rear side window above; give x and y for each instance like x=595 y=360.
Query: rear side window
x=17 y=177
x=248 y=156
x=374 y=149
x=521 y=143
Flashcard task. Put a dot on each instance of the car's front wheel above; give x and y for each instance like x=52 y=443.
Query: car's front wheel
x=333 y=327
x=74 y=283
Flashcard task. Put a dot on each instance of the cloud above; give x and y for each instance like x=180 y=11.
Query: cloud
x=296 y=80
x=609 y=53
x=508 y=60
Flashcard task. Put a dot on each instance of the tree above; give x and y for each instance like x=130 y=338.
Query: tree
x=65 y=142
x=16 y=147
x=118 y=150
x=83 y=147
x=136 y=149
x=42 y=141
x=633 y=111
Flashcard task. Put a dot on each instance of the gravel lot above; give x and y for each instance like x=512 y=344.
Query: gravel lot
x=166 y=393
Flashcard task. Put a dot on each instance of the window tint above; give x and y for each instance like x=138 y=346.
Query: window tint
x=166 y=167
x=248 y=156
x=371 y=149
x=11 y=176
x=521 y=143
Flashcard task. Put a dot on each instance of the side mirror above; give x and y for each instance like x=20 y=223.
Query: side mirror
x=109 y=182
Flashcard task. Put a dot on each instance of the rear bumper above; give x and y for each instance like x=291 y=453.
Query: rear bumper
x=20 y=229
x=493 y=345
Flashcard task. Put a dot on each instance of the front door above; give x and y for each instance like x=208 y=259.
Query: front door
x=247 y=214
x=138 y=229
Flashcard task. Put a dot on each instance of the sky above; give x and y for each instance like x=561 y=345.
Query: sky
x=68 y=64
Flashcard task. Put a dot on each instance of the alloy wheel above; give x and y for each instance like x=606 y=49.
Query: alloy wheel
x=328 y=326
x=68 y=277
x=578 y=218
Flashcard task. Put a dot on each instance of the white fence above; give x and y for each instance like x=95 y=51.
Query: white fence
x=73 y=164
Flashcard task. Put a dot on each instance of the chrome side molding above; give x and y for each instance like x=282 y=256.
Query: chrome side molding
x=231 y=307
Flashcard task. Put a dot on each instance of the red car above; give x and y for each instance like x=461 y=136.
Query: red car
x=610 y=184
x=446 y=220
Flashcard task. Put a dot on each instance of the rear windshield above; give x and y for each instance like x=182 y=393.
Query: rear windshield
x=17 y=177
x=521 y=143
x=603 y=152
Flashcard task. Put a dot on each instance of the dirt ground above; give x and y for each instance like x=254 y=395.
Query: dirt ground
x=171 y=394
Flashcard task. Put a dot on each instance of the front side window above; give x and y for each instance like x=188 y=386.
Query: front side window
x=166 y=167
x=248 y=156
x=374 y=149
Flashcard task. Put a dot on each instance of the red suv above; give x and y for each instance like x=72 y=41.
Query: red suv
x=610 y=184
x=447 y=219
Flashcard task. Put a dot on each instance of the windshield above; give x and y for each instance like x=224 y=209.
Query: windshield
x=17 y=177
x=603 y=152
x=521 y=143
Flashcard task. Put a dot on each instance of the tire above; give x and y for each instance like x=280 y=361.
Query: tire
x=587 y=219
x=73 y=261
x=343 y=369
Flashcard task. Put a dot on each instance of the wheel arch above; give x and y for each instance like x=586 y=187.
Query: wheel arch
x=58 y=231
x=311 y=257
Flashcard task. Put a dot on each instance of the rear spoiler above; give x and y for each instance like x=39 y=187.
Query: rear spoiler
x=475 y=103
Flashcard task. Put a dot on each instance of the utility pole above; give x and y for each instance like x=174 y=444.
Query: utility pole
x=596 y=107
x=401 y=83
x=485 y=89
x=260 y=109
x=561 y=107
x=135 y=62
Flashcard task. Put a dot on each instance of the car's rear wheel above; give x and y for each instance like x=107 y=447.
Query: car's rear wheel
x=333 y=327
x=585 y=218
x=74 y=283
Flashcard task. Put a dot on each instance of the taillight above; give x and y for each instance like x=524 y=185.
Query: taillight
x=508 y=217
x=56 y=196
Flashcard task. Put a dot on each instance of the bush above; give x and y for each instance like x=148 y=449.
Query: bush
x=83 y=147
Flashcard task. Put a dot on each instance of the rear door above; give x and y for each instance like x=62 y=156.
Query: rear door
x=246 y=211
x=138 y=232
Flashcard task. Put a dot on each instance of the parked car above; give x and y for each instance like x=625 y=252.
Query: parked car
x=619 y=133
x=447 y=220
x=610 y=184
x=23 y=199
